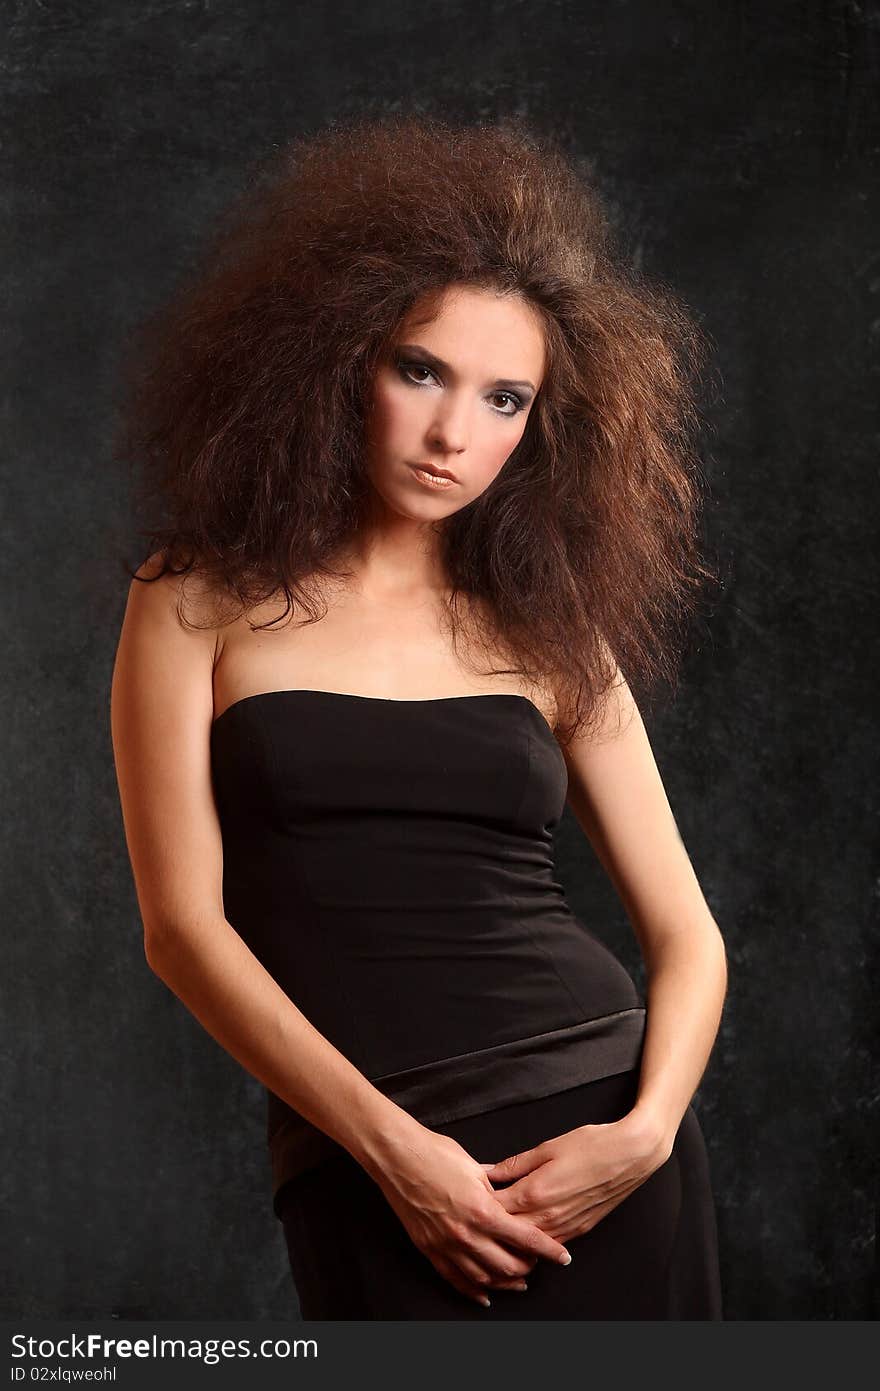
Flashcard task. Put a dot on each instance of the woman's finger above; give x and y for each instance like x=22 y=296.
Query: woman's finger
x=489 y=1263
x=450 y=1272
x=526 y=1238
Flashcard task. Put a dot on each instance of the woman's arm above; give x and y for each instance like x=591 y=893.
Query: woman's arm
x=161 y=713
x=617 y=795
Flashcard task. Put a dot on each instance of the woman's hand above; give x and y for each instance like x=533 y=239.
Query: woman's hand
x=450 y=1210
x=566 y=1185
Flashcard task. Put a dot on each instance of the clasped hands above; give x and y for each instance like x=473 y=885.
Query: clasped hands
x=479 y=1236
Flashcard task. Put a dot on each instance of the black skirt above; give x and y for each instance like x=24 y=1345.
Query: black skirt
x=654 y=1256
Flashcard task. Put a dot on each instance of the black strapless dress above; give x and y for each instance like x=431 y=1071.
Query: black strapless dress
x=390 y=863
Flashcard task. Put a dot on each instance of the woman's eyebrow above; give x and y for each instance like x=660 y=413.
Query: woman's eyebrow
x=431 y=361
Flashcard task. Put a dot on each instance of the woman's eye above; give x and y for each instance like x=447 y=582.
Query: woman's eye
x=511 y=399
x=407 y=367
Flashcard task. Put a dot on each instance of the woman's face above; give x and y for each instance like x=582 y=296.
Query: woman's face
x=454 y=394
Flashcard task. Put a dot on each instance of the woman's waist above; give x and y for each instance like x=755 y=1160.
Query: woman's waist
x=392 y=993
x=464 y=1084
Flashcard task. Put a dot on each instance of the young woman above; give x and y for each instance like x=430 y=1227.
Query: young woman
x=412 y=395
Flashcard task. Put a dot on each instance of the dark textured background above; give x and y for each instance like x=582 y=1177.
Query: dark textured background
x=737 y=147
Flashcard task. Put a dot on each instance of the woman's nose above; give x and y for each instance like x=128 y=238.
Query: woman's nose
x=450 y=430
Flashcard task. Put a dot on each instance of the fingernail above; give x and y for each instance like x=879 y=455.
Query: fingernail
x=523 y=1286
x=565 y=1260
x=484 y=1299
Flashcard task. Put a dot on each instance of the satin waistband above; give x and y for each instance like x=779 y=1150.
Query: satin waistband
x=448 y=1089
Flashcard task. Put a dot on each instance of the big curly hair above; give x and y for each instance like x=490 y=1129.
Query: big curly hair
x=246 y=394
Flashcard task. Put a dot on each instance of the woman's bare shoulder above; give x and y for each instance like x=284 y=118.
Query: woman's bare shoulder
x=190 y=599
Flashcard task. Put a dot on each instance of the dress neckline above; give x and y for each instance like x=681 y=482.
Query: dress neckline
x=384 y=700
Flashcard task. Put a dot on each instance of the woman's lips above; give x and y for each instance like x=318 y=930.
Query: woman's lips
x=432 y=480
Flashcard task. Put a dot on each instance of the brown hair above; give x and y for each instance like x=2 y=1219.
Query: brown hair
x=246 y=395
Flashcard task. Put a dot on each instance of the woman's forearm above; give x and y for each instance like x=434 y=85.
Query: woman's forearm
x=686 y=986
x=215 y=974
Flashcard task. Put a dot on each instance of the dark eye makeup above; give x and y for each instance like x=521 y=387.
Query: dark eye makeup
x=405 y=366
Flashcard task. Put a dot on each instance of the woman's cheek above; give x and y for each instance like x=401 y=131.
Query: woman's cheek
x=501 y=453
